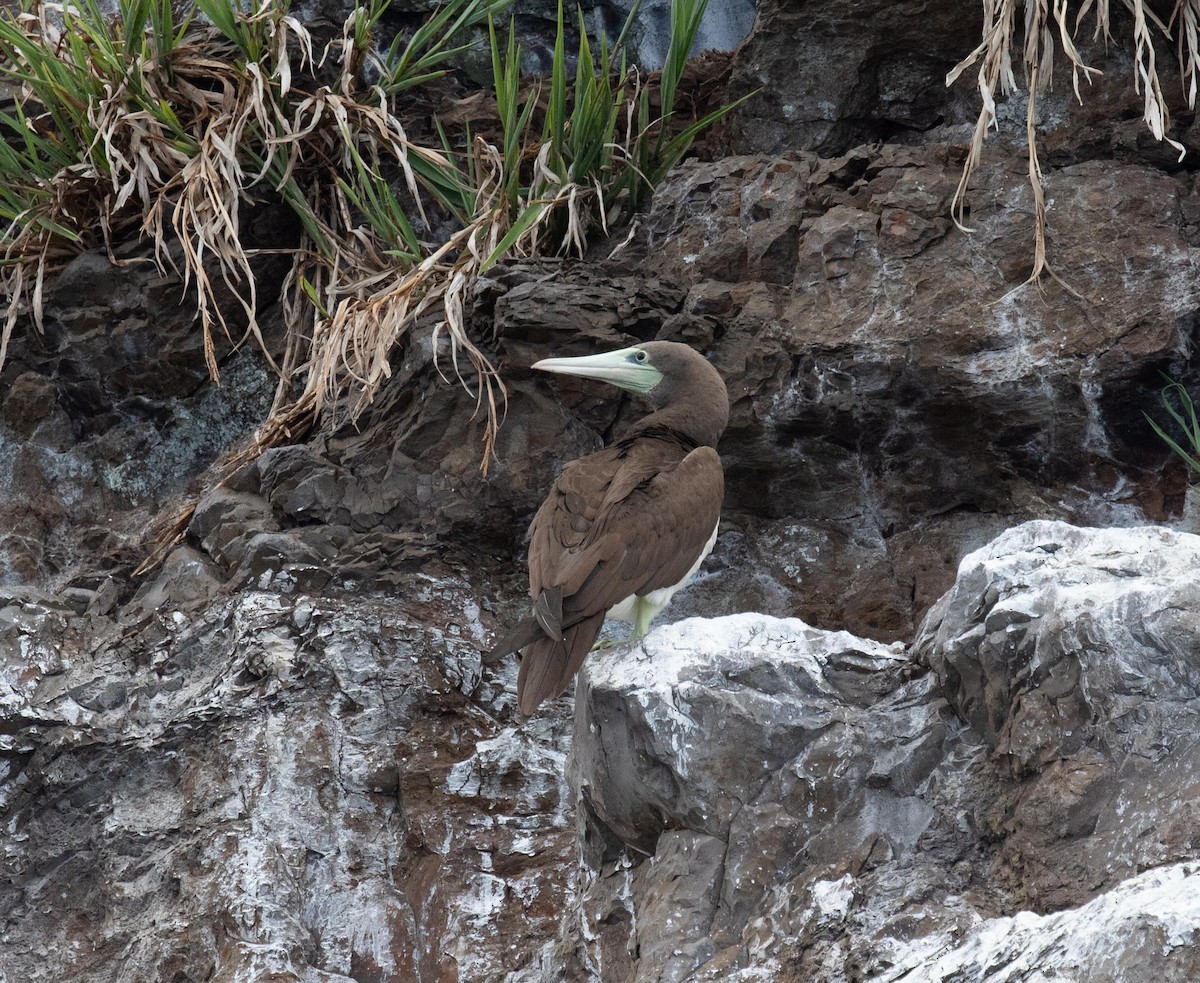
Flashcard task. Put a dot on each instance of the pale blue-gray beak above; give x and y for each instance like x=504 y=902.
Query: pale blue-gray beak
x=628 y=368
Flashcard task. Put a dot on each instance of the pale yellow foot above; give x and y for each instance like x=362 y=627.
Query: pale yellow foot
x=643 y=614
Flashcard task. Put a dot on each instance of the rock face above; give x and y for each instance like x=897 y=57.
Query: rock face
x=739 y=753
x=331 y=788
x=828 y=85
x=277 y=786
x=277 y=756
x=105 y=415
x=1155 y=914
x=760 y=800
x=886 y=420
x=1073 y=653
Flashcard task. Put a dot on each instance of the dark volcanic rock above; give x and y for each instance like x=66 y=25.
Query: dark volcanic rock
x=829 y=75
x=107 y=412
x=900 y=394
x=30 y=400
x=748 y=757
x=826 y=84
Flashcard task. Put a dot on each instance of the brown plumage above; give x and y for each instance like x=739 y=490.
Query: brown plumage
x=623 y=528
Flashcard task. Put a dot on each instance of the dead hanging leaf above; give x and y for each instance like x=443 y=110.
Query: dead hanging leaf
x=1044 y=22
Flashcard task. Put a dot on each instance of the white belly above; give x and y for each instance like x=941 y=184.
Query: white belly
x=626 y=610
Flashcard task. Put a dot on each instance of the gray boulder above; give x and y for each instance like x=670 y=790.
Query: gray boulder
x=1146 y=928
x=760 y=800
x=1075 y=655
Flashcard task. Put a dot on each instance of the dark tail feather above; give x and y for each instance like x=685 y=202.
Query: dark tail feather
x=546 y=620
x=523 y=633
x=547 y=666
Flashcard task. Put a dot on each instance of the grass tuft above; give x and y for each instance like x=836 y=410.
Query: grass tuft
x=144 y=125
x=1178 y=403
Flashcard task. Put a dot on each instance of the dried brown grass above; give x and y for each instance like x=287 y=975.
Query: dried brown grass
x=1047 y=26
x=169 y=131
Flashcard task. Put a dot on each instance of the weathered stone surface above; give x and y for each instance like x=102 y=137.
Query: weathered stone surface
x=185 y=581
x=222 y=518
x=29 y=401
x=276 y=755
x=1147 y=928
x=1054 y=638
x=835 y=74
x=746 y=757
x=827 y=85
x=106 y=413
x=775 y=672
x=900 y=395
x=1073 y=652
x=271 y=786
x=760 y=800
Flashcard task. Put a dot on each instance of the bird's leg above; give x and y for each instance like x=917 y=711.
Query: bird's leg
x=643 y=614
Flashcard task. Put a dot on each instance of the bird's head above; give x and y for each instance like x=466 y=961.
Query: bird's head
x=658 y=370
x=665 y=373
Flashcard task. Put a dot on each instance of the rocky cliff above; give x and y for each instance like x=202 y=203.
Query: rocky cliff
x=927 y=713
x=1005 y=799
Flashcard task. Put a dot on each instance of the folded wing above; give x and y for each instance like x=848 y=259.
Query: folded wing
x=627 y=520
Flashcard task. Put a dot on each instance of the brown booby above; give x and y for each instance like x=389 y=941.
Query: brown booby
x=625 y=528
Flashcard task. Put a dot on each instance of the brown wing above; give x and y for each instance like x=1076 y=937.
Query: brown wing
x=624 y=521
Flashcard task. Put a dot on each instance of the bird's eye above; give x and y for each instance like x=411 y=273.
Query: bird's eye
x=641 y=356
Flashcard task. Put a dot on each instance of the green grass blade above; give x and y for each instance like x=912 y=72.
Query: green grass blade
x=522 y=225
x=310 y=291
x=1174 y=445
x=1185 y=418
x=556 y=110
x=674 y=149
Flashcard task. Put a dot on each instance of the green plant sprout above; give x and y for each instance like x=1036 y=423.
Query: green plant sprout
x=1184 y=415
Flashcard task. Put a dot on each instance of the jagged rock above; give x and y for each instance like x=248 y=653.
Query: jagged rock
x=222 y=516
x=834 y=74
x=827 y=85
x=29 y=401
x=108 y=411
x=1054 y=638
x=761 y=800
x=271 y=785
x=1072 y=652
x=739 y=754
x=1146 y=928
x=185 y=580
x=705 y=687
